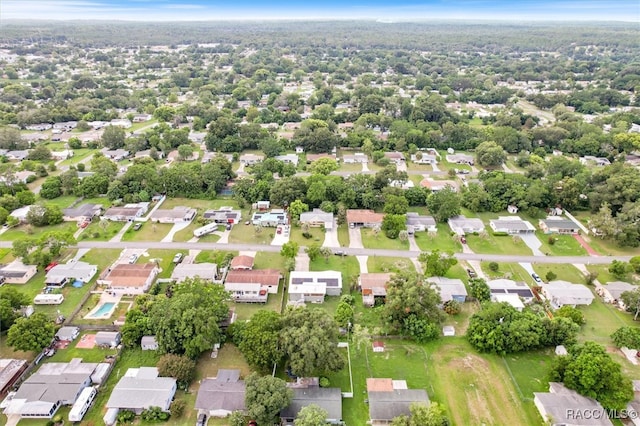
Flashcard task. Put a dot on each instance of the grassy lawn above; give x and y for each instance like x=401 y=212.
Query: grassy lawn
x=380 y=241
x=164 y=259
x=602 y=320
x=228 y=357
x=528 y=371
x=36 y=231
x=457 y=271
x=101 y=230
x=565 y=245
x=148 y=232
x=317 y=236
x=78 y=156
x=563 y=272
x=604 y=247
x=604 y=276
x=187 y=233
x=212 y=256
x=245 y=311
x=96 y=354
x=7 y=351
x=200 y=205
x=343 y=235
x=419 y=167
x=507 y=270
x=269 y=260
x=63 y=202
x=442 y=240
x=245 y=234
x=209 y=238
x=498 y=245
x=352 y=167
x=389 y=264
x=348 y=265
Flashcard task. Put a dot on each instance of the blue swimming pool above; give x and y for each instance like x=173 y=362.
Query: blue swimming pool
x=103 y=310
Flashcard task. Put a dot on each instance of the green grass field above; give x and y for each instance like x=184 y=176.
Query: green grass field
x=498 y=245
x=563 y=272
x=36 y=231
x=317 y=236
x=148 y=232
x=372 y=241
x=63 y=201
x=564 y=245
x=343 y=235
x=442 y=240
x=246 y=234
x=101 y=230
x=512 y=270
x=389 y=264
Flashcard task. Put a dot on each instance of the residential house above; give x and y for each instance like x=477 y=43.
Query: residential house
x=17 y=155
x=116 y=154
x=175 y=156
x=460 y=159
x=252 y=286
x=424 y=158
x=149 y=343
x=462 y=225
x=61 y=155
x=141 y=118
x=563 y=406
x=55 y=384
x=270 y=219
x=288 y=159
x=316 y=218
x=82 y=213
x=561 y=293
x=147 y=154
x=222 y=395
x=186 y=270
x=612 y=291
x=121 y=122
x=177 y=214
x=130 y=279
x=439 y=185
x=17 y=272
x=500 y=287
x=261 y=205
x=449 y=288
x=598 y=161
x=251 y=159
x=512 y=299
x=74 y=270
x=10 y=372
x=418 y=223
x=511 y=225
x=312 y=286
x=241 y=262
x=67 y=333
x=21 y=213
x=225 y=215
x=364 y=218
x=108 y=338
x=208 y=156
x=389 y=399
x=127 y=213
x=395 y=157
x=138 y=390
x=357 y=158
x=373 y=286
x=558 y=225
x=314 y=157
x=307 y=392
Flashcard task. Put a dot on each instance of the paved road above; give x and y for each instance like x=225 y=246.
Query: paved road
x=349 y=251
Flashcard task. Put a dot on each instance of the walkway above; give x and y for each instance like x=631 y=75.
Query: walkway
x=177 y=227
x=585 y=245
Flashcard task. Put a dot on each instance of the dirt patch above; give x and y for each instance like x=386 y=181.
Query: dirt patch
x=87 y=341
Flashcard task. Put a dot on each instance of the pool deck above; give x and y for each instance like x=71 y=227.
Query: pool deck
x=104 y=298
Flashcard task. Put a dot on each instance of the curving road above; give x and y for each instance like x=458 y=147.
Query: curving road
x=348 y=251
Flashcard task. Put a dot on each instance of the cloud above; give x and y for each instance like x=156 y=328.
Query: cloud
x=184 y=6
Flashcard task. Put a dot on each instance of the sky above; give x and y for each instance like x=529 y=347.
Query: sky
x=385 y=11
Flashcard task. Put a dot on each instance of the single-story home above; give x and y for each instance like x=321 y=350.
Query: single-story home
x=598 y=161
x=130 y=279
x=252 y=286
x=563 y=406
x=67 y=333
x=373 y=286
x=242 y=262
x=449 y=288
x=460 y=159
x=503 y=286
x=561 y=293
x=395 y=157
x=222 y=395
x=21 y=213
x=511 y=225
x=127 y=213
x=512 y=299
x=316 y=218
x=17 y=155
x=251 y=159
x=77 y=270
x=223 y=215
x=115 y=154
x=329 y=399
x=418 y=223
x=17 y=272
x=177 y=214
x=62 y=155
x=439 y=185
x=389 y=399
x=462 y=225
x=288 y=158
x=81 y=213
x=149 y=343
x=314 y=157
x=424 y=158
x=364 y=218
x=184 y=270
x=108 y=338
x=357 y=158
x=312 y=286
x=270 y=219
x=612 y=291
x=558 y=225
x=138 y=390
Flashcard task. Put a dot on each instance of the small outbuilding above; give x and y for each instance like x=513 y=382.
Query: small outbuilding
x=149 y=343
x=561 y=350
x=108 y=338
x=68 y=334
x=448 y=331
x=378 y=346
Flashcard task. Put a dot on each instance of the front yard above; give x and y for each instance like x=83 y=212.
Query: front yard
x=442 y=240
x=373 y=240
x=563 y=272
x=148 y=232
x=490 y=244
x=563 y=245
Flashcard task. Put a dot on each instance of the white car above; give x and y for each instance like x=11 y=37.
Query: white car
x=133 y=258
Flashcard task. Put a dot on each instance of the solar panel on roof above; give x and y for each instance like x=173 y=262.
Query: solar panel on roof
x=333 y=282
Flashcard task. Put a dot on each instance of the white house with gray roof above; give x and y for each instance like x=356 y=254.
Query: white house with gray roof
x=561 y=293
x=563 y=406
x=222 y=395
x=511 y=225
x=186 y=269
x=316 y=218
x=62 y=273
x=449 y=288
x=462 y=225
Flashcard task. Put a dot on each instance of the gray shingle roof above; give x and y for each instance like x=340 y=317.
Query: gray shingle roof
x=388 y=405
x=329 y=399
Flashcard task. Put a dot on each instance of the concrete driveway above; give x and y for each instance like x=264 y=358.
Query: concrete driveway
x=435 y=167
x=365 y=167
x=401 y=167
x=413 y=246
x=331 y=236
x=532 y=241
x=355 y=238
x=281 y=239
x=175 y=228
x=362 y=261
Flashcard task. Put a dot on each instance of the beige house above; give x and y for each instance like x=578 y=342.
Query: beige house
x=130 y=279
x=17 y=272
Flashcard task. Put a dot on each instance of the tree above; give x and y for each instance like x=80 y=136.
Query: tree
x=452 y=307
x=313 y=251
x=433 y=414
x=631 y=300
x=572 y=313
x=51 y=187
x=311 y=415
x=436 y=263
x=113 y=137
x=31 y=334
x=11 y=300
x=323 y=166
x=179 y=367
x=619 y=268
x=185 y=152
x=627 y=336
x=490 y=154
x=326 y=253
x=309 y=340
x=289 y=250
x=550 y=276
x=296 y=208
x=479 y=289
x=39 y=153
x=494 y=266
x=444 y=204
x=590 y=370
x=395 y=204
x=44 y=215
x=259 y=340
x=265 y=396
x=237 y=418
x=344 y=313
x=393 y=224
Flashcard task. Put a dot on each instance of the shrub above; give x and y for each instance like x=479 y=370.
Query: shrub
x=177 y=407
x=500 y=234
x=551 y=240
x=126 y=416
x=551 y=276
x=452 y=307
x=307 y=235
x=493 y=266
x=324 y=382
x=31 y=178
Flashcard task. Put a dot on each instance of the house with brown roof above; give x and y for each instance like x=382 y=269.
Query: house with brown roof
x=130 y=279
x=252 y=286
x=373 y=286
x=439 y=185
x=395 y=157
x=364 y=218
x=314 y=157
x=241 y=262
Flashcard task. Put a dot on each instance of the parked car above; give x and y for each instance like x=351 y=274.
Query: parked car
x=133 y=258
x=137 y=226
x=50 y=266
x=202 y=419
x=536 y=277
x=463 y=240
x=229 y=227
x=472 y=273
x=84 y=224
x=178 y=258
x=279 y=230
x=339 y=253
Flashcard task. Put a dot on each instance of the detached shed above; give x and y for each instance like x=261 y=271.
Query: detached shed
x=448 y=330
x=378 y=346
x=149 y=343
x=561 y=350
x=108 y=338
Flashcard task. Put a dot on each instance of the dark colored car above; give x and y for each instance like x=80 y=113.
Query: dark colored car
x=202 y=420
x=472 y=273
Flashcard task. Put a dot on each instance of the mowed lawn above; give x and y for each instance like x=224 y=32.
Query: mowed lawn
x=507 y=270
x=101 y=230
x=317 y=236
x=490 y=244
x=442 y=240
x=389 y=264
x=149 y=232
x=564 y=272
x=563 y=245
x=246 y=234
x=371 y=240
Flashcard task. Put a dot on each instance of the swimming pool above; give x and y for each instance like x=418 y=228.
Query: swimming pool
x=102 y=310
